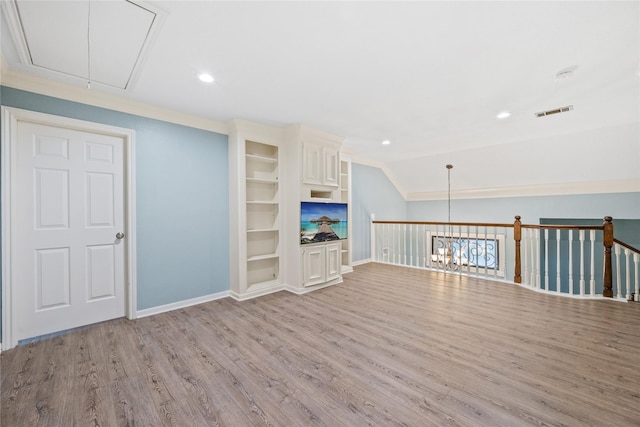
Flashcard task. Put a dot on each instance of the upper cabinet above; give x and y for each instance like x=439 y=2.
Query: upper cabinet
x=320 y=158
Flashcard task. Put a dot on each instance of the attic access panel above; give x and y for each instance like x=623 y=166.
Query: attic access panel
x=100 y=41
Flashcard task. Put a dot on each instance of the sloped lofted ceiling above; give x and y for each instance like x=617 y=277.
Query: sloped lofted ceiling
x=428 y=76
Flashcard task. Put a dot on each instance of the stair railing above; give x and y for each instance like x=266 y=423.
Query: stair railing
x=558 y=259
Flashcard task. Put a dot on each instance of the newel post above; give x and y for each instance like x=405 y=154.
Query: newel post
x=607 y=241
x=517 y=236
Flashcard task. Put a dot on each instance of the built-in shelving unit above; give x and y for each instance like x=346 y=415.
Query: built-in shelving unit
x=345 y=197
x=271 y=171
x=262 y=212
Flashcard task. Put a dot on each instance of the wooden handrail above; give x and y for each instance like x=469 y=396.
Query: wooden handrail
x=562 y=227
x=626 y=246
x=479 y=224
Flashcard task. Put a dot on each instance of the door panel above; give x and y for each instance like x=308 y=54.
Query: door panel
x=52 y=278
x=101 y=267
x=51 y=199
x=100 y=200
x=68 y=267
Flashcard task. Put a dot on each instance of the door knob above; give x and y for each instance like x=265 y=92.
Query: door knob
x=120 y=236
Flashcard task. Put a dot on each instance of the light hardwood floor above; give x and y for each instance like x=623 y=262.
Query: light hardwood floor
x=390 y=346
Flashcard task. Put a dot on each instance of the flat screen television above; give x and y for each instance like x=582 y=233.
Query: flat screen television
x=322 y=222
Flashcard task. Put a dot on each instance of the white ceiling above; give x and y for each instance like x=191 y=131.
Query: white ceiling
x=429 y=76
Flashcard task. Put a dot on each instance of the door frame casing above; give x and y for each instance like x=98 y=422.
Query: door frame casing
x=10 y=118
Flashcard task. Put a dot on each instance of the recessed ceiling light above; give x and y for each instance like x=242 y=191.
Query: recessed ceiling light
x=503 y=115
x=207 y=78
x=386 y=142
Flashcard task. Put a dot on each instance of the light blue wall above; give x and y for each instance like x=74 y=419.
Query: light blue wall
x=371 y=193
x=182 y=200
x=531 y=209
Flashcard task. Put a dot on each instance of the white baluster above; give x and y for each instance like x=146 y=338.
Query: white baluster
x=627 y=252
x=402 y=240
x=427 y=257
x=420 y=244
x=618 y=274
x=592 y=278
x=636 y=261
x=388 y=240
x=477 y=268
x=390 y=253
x=485 y=251
x=532 y=249
x=582 y=282
x=495 y=241
x=524 y=256
x=525 y=260
x=398 y=247
x=467 y=254
x=411 y=257
x=383 y=236
x=537 y=256
x=460 y=256
x=546 y=259
x=405 y=236
x=558 y=260
x=434 y=247
x=570 y=262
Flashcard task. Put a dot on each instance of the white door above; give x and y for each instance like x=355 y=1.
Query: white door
x=68 y=265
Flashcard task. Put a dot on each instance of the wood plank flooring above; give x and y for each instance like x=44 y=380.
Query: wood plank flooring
x=391 y=346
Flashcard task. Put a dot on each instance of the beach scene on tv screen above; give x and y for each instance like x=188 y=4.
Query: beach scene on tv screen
x=322 y=222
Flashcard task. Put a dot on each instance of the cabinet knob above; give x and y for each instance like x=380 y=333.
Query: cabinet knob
x=120 y=236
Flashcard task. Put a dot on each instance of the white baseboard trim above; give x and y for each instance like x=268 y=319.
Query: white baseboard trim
x=255 y=294
x=181 y=304
x=302 y=291
x=361 y=262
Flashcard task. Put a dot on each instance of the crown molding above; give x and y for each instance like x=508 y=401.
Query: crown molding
x=27 y=82
x=559 y=189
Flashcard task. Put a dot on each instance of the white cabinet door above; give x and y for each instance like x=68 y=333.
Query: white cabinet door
x=334 y=264
x=314 y=264
x=331 y=167
x=321 y=263
x=313 y=164
x=321 y=164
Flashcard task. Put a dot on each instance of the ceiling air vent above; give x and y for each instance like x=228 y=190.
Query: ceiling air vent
x=555 y=111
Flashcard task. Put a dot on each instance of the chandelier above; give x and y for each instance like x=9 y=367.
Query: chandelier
x=449 y=261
